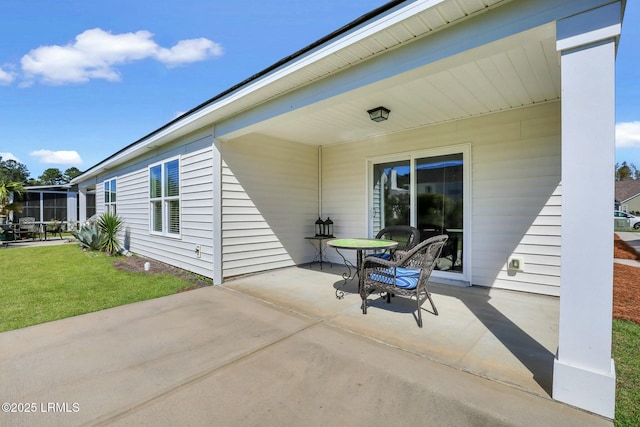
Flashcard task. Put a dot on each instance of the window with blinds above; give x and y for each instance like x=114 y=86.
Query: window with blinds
x=164 y=198
x=110 y=196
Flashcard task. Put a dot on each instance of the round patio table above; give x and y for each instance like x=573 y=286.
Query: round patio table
x=359 y=245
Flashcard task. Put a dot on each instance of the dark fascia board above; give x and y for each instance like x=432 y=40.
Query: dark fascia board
x=337 y=33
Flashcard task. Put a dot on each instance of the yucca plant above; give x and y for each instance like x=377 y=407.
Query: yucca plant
x=110 y=225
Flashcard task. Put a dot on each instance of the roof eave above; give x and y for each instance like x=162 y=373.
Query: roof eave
x=206 y=107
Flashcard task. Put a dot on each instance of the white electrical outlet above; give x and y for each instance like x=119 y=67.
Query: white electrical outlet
x=516 y=263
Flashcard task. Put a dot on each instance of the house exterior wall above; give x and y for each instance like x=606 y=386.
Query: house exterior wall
x=196 y=205
x=100 y=195
x=269 y=203
x=515 y=190
x=633 y=204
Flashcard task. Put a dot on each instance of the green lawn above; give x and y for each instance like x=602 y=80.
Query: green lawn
x=626 y=353
x=41 y=284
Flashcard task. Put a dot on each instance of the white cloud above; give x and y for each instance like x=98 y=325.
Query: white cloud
x=57 y=157
x=6 y=77
x=96 y=53
x=628 y=134
x=187 y=51
x=8 y=156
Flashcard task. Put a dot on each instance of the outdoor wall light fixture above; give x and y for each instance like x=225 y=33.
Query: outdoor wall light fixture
x=379 y=114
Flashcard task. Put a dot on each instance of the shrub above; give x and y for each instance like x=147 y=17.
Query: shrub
x=110 y=225
x=89 y=236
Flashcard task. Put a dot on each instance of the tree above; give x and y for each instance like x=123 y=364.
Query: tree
x=52 y=176
x=7 y=189
x=71 y=173
x=13 y=171
x=626 y=172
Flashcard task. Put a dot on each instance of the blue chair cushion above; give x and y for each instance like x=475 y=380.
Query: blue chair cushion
x=382 y=255
x=406 y=278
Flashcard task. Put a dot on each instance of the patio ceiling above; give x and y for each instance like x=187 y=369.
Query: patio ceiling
x=517 y=71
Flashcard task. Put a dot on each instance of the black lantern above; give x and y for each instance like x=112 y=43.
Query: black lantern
x=319 y=227
x=328 y=227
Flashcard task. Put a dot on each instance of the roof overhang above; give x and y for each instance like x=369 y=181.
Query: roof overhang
x=428 y=61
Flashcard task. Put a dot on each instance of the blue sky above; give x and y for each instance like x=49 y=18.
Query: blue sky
x=80 y=80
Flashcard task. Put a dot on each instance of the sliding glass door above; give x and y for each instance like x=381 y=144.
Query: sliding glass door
x=439 y=194
x=391 y=195
x=425 y=190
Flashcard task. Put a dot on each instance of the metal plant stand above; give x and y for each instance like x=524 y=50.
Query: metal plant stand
x=320 y=257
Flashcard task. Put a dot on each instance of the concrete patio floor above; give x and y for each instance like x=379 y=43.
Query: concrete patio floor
x=506 y=336
x=278 y=349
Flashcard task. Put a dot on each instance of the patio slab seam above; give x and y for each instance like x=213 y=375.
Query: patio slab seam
x=121 y=413
x=274 y=305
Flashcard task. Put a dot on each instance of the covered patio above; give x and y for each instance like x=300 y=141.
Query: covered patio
x=502 y=335
x=498 y=110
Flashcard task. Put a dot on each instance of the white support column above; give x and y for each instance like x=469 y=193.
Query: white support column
x=72 y=207
x=217 y=212
x=584 y=374
x=82 y=201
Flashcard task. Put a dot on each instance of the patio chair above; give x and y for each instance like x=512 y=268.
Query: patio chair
x=406 y=236
x=450 y=249
x=405 y=276
x=54 y=228
x=28 y=228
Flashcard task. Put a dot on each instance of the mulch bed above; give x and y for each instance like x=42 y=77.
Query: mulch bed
x=626 y=284
x=136 y=264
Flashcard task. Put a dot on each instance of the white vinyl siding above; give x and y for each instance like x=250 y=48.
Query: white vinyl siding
x=196 y=187
x=515 y=191
x=269 y=204
x=100 y=198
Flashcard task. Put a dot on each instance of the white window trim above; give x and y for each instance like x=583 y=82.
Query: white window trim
x=441 y=276
x=109 y=204
x=165 y=211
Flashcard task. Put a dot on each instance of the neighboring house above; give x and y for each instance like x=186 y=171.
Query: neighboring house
x=49 y=202
x=628 y=195
x=498 y=110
